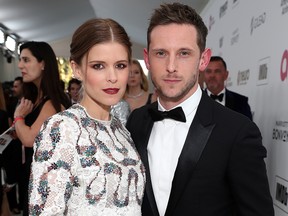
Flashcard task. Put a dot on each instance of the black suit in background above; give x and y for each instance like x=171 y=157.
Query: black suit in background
x=237 y=102
x=4 y=125
x=221 y=169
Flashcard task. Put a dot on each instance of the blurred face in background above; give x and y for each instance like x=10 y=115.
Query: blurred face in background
x=17 y=89
x=74 y=91
x=215 y=76
x=135 y=77
x=30 y=68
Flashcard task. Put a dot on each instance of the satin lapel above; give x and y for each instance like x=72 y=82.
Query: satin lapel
x=195 y=142
x=142 y=149
x=229 y=101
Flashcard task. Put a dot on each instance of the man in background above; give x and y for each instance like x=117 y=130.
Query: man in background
x=74 y=87
x=13 y=155
x=215 y=76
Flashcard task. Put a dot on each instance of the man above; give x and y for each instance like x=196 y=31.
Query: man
x=74 y=87
x=17 y=91
x=211 y=161
x=13 y=155
x=215 y=76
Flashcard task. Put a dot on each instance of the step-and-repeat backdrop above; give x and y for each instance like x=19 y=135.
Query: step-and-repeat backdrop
x=252 y=36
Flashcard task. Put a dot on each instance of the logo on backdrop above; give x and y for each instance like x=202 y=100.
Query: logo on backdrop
x=235 y=37
x=281 y=194
x=280 y=135
x=284 y=5
x=223 y=9
x=221 y=41
x=280 y=132
x=284 y=65
x=243 y=77
x=264 y=65
x=235 y=3
x=257 y=22
x=211 y=22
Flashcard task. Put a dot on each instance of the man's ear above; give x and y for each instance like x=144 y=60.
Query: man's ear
x=226 y=74
x=205 y=59
x=76 y=70
x=146 y=58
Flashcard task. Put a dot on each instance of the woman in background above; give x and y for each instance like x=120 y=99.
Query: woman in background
x=43 y=97
x=85 y=160
x=137 y=93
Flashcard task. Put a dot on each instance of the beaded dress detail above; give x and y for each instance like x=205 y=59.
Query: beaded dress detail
x=84 y=166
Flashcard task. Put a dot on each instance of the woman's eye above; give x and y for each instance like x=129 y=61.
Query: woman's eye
x=121 y=66
x=98 y=66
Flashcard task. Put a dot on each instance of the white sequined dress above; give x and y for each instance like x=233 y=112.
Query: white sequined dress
x=83 y=166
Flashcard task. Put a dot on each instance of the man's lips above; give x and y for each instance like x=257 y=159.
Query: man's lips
x=171 y=80
x=111 y=91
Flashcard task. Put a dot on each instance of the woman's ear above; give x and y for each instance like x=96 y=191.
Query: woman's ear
x=76 y=70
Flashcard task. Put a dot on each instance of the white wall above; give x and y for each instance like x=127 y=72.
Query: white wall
x=252 y=37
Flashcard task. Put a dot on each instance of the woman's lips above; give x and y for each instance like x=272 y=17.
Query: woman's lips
x=111 y=91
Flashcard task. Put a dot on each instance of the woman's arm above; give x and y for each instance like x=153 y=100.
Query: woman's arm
x=25 y=133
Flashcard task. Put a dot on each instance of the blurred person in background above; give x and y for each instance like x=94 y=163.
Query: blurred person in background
x=137 y=93
x=43 y=97
x=74 y=86
x=215 y=77
x=13 y=154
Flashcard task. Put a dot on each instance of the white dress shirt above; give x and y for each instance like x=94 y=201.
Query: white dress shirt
x=164 y=148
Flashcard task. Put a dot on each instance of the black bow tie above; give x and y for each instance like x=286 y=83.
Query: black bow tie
x=176 y=114
x=218 y=97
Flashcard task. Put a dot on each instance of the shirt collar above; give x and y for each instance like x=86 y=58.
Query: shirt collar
x=189 y=105
x=209 y=92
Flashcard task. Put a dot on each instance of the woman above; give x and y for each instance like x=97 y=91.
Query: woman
x=43 y=97
x=137 y=94
x=85 y=160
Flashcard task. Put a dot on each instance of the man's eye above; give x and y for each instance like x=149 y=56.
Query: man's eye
x=184 y=53
x=160 y=53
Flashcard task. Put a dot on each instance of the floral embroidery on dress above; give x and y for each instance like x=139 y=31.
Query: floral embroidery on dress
x=83 y=166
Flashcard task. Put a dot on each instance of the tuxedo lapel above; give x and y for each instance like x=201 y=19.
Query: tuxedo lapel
x=229 y=101
x=195 y=142
x=142 y=149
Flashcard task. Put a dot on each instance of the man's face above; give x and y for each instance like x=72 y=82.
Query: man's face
x=17 y=89
x=174 y=60
x=215 y=76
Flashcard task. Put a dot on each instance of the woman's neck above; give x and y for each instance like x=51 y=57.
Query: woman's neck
x=134 y=91
x=95 y=110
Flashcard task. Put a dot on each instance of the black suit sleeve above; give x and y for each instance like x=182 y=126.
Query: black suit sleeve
x=247 y=174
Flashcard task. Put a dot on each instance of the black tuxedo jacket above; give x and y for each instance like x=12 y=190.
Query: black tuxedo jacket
x=221 y=169
x=237 y=102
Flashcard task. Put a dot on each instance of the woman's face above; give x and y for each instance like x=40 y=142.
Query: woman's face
x=74 y=91
x=135 y=78
x=30 y=68
x=104 y=72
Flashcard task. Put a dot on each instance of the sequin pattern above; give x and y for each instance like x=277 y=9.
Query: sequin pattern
x=83 y=166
